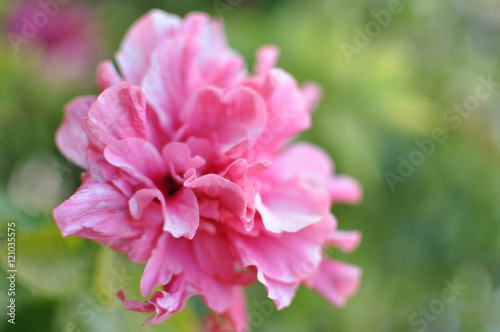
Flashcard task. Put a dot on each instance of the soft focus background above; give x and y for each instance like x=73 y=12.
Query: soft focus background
x=428 y=220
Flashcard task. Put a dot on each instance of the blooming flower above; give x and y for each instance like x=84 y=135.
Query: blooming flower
x=190 y=169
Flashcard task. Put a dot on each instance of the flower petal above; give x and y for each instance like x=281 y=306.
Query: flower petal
x=292 y=205
x=107 y=76
x=345 y=189
x=267 y=56
x=171 y=77
x=183 y=216
x=336 y=281
x=96 y=211
x=141 y=40
x=179 y=155
x=347 y=241
x=70 y=137
x=119 y=112
x=137 y=157
x=215 y=187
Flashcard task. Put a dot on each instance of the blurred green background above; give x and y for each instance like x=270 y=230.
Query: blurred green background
x=439 y=222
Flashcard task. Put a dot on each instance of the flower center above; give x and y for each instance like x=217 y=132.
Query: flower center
x=171 y=186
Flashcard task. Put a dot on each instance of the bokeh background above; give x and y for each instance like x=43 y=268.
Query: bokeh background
x=438 y=223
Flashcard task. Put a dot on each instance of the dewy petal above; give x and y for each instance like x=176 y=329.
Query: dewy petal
x=137 y=157
x=107 y=76
x=336 y=281
x=345 y=189
x=183 y=216
x=141 y=40
x=119 y=112
x=70 y=137
x=292 y=205
x=96 y=211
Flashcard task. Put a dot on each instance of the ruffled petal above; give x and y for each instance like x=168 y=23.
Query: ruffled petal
x=138 y=158
x=212 y=187
x=171 y=77
x=70 y=137
x=336 y=281
x=96 y=211
x=281 y=293
x=141 y=40
x=119 y=112
x=178 y=155
x=233 y=117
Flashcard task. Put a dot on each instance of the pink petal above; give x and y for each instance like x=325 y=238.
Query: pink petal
x=171 y=77
x=215 y=187
x=219 y=65
x=336 y=281
x=292 y=205
x=70 y=137
x=280 y=292
x=137 y=157
x=141 y=40
x=302 y=159
x=96 y=211
x=107 y=76
x=183 y=216
x=287 y=257
x=214 y=256
x=235 y=116
x=288 y=109
x=233 y=320
x=346 y=241
x=141 y=200
x=312 y=93
x=345 y=189
x=237 y=173
x=119 y=112
x=238 y=310
x=179 y=155
x=135 y=305
x=159 y=271
x=267 y=56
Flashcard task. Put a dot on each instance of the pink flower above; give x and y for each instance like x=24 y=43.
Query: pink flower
x=64 y=34
x=190 y=168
